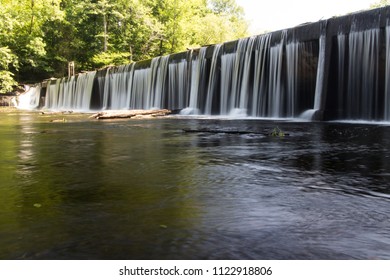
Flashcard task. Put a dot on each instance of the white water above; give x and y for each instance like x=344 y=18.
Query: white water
x=213 y=79
x=198 y=65
x=30 y=99
x=362 y=92
x=70 y=93
x=265 y=76
x=178 y=85
x=387 y=73
x=259 y=101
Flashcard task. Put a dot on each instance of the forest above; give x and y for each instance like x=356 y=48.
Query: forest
x=38 y=38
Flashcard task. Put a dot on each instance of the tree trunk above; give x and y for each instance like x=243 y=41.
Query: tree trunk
x=127 y=114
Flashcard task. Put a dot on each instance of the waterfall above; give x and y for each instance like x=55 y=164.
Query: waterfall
x=178 y=80
x=362 y=92
x=159 y=88
x=320 y=70
x=387 y=73
x=227 y=66
x=197 y=71
x=275 y=91
x=151 y=95
x=140 y=86
x=292 y=51
x=30 y=99
x=213 y=79
x=259 y=101
x=83 y=91
x=341 y=41
x=240 y=77
x=70 y=93
x=320 y=78
x=118 y=86
x=332 y=69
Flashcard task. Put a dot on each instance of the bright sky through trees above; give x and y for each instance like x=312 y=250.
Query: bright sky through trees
x=271 y=15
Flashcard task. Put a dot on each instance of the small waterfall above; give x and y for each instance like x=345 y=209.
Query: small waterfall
x=106 y=90
x=178 y=80
x=362 y=92
x=159 y=88
x=318 y=95
x=197 y=72
x=52 y=90
x=227 y=66
x=292 y=51
x=341 y=59
x=213 y=80
x=83 y=91
x=140 y=86
x=246 y=72
x=275 y=91
x=240 y=77
x=30 y=99
x=259 y=101
x=387 y=73
x=119 y=83
x=70 y=93
x=320 y=69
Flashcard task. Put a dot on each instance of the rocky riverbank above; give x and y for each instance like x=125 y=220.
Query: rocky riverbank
x=7 y=100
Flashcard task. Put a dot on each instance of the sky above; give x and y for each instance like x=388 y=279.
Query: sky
x=272 y=15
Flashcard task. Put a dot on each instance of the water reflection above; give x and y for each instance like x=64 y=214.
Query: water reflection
x=145 y=189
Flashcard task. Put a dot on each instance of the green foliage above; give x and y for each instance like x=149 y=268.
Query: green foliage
x=7 y=81
x=277 y=132
x=381 y=3
x=111 y=58
x=38 y=38
x=7 y=60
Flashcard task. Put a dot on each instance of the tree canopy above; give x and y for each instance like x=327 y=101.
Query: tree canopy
x=38 y=37
x=380 y=3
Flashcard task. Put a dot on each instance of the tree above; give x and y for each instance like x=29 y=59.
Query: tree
x=7 y=60
x=39 y=37
x=381 y=3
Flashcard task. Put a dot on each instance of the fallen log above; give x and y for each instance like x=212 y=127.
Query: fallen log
x=127 y=114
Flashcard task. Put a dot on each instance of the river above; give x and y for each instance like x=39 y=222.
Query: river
x=78 y=188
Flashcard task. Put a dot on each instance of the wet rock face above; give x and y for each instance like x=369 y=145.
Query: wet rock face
x=7 y=100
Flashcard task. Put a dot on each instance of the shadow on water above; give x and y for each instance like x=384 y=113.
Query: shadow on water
x=146 y=189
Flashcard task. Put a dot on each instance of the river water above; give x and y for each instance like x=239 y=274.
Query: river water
x=147 y=189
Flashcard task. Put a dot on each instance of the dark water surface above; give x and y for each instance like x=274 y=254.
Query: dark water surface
x=145 y=189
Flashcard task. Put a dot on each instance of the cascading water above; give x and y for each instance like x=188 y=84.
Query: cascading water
x=344 y=75
x=362 y=87
x=275 y=91
x=227 y=66
x=119 y=83
x=341 y=41
x=197 y=72
x=387 y=73
x=70 y=93
x=318 y=95
x=292 y=51
x=159 y=90
x=213 y=80
x=240 y=78
x=30 y=99
x=178 y=81
x=259 y=100
x=140 y=86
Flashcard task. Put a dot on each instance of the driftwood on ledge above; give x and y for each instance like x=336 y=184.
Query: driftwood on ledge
x=127 y=114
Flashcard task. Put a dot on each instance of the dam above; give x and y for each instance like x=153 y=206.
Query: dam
x=334 y=69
